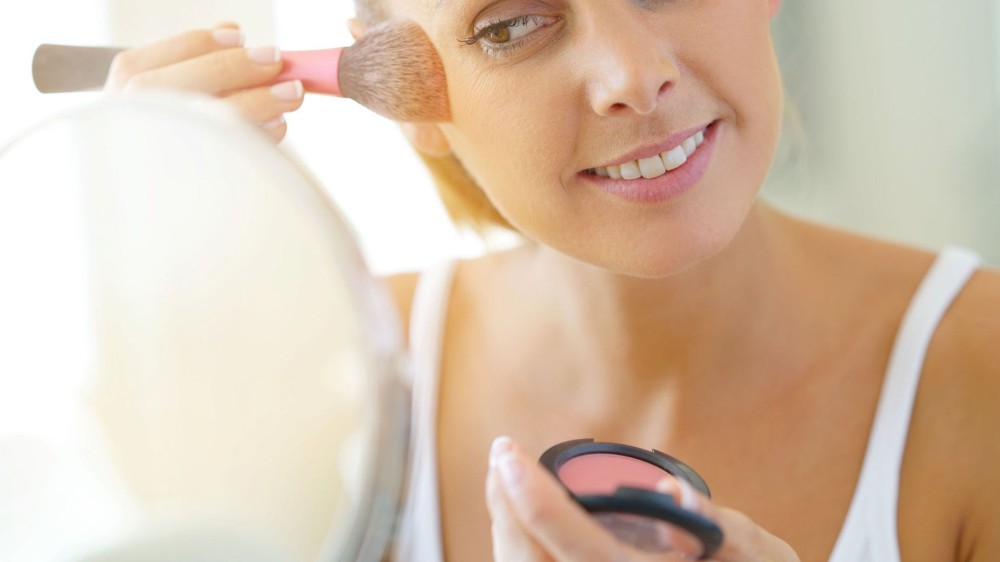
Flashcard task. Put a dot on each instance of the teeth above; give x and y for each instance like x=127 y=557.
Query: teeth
x=630 y=170
x=654 y=166
x=689 y=145
x=674 y=157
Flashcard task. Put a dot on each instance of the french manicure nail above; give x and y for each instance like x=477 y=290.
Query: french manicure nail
x=666 y=485
x=288 y=91
x=500 y=445
x=274 y=123
x=511 y=470
x=689 y=497
x=228 y=37
x=264 y=55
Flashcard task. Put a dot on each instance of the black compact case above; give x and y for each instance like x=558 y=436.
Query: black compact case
x=634 y=511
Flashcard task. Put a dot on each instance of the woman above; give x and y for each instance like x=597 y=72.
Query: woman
x=664 y=309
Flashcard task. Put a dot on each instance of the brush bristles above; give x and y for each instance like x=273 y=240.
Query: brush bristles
x=395 y=71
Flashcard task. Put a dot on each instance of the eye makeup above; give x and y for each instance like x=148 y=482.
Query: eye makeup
x=616 y=484
x=506 y=28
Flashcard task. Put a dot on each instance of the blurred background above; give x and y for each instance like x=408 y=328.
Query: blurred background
x=893 y=127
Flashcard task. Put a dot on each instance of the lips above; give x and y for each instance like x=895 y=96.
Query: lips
x=672 y=141
x=649 y=164
x=647 y=180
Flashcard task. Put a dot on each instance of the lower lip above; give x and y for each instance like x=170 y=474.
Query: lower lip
x=670 y=185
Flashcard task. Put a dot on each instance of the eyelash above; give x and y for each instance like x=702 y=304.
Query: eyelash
x=499 y=50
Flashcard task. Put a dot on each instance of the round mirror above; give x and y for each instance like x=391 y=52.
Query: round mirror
x=195 y=363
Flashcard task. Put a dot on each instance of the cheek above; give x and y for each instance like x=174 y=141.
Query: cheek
x=506 y=133
x=741 y=66
x=731 y=58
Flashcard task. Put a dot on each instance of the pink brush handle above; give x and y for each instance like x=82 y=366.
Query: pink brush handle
x=317 y=70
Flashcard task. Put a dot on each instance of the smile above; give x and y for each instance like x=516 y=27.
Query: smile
x=656 y=165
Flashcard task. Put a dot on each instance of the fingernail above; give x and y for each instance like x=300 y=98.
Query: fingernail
x=511 y=470
x=288 y=91
x=500 y=445
x=689 y=497
x=274 y=123
x=228 y=37
x=666 y=485
x=264 y=55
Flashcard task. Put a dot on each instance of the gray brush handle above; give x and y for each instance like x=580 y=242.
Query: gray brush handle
x=65 y=68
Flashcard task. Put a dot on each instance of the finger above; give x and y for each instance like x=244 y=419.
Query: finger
x=170 y=51
x=510 y=541
x=215 y=72
x=265 y=103
x=743 y=539
x=275 y=128
x=543 y=507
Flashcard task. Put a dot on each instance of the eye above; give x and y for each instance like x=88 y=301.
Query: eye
x=498 y=37
x=512 y=30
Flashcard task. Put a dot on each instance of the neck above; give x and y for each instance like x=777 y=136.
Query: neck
x=709 y=321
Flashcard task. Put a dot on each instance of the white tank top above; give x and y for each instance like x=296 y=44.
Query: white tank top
x=869 y=531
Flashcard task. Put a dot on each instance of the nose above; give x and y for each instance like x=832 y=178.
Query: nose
x=628 y=71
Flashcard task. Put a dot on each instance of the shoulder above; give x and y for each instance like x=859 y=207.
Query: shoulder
x=472 y=280
x=965 y=352
x=974 y=320
x=959 y=410
x=964 y=358
x=950 y=473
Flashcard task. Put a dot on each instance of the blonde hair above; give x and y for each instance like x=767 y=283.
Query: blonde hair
x=465 y=201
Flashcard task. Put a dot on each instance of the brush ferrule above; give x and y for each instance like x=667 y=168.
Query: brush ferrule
x=318 y=70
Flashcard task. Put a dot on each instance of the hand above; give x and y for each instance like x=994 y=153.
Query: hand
x=535 y=520
x=213 y=62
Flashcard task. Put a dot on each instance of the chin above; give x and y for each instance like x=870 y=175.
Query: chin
x=675 y=247
x=669 y=260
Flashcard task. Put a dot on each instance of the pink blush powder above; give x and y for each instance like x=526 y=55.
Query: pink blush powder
x=603 y=473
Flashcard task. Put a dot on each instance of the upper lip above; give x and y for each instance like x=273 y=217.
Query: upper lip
x=672 y=141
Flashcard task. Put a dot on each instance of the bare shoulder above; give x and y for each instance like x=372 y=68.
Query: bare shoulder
x=470 y=275
x=966 y=347
x=976 y=311
x=950 y=478
x=958 y=411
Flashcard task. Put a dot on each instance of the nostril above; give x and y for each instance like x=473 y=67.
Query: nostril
x=664 y=87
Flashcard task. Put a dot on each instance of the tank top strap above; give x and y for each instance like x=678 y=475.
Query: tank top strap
x=871 y=519
x=427 y=317
x=418 y=537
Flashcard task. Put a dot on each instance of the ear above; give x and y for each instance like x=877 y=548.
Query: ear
x=427 y=138
x=357 y=28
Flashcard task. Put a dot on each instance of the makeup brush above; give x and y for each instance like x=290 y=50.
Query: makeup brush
x=392 y=70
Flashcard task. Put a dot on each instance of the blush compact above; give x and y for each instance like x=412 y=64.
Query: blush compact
x=616 y=484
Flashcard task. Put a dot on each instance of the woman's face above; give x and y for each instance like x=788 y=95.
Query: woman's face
x=549 y=96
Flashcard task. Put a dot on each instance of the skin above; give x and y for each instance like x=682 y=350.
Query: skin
x=198 y=61
x=748 y=343
x=789 y=412
x=618 y=95
x=641 y=312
